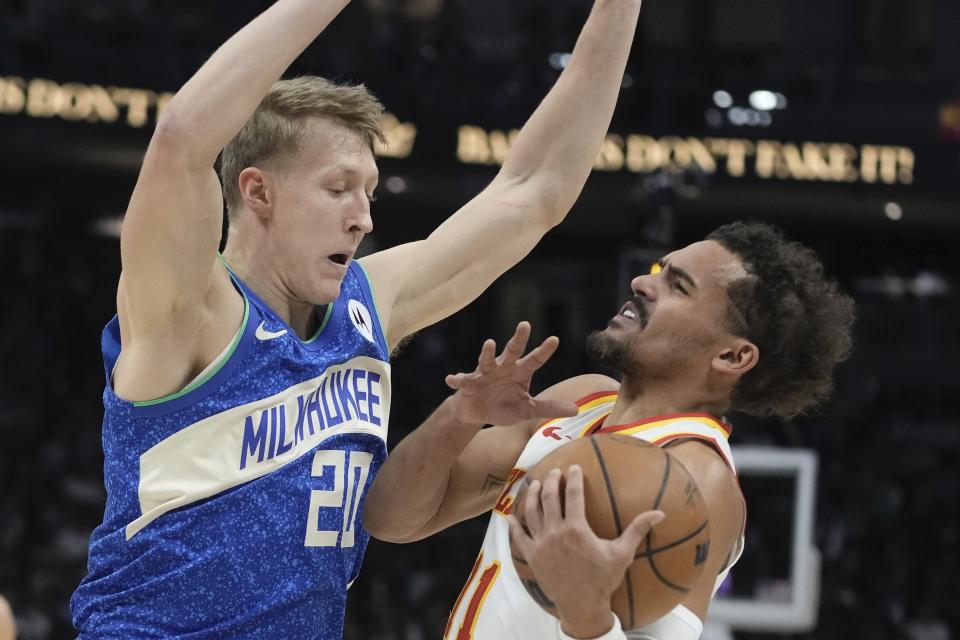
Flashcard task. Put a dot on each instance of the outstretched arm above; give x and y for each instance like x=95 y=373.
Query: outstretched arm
x=173 y=222
x=420 y=489
x=423 y=282
x=217 y=101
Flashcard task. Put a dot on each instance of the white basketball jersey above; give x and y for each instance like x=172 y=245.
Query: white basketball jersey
x=494 y=605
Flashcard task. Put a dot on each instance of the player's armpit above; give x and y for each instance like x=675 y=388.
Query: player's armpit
x=168 y=243
x=161 y=361
x=725 y=508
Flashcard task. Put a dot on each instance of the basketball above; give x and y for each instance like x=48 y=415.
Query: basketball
x=624 y=477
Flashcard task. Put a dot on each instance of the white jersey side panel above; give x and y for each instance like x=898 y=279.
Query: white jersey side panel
x=494 y=605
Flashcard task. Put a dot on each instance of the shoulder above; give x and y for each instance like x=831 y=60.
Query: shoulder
x=726 y=512
x=580 y=387
x=717 y=484
x=576 y=389
x=709 y=469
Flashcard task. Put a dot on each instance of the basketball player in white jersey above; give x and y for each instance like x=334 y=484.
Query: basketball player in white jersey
x=743 y=321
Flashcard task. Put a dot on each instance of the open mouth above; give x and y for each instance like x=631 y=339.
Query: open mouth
x=634 y=312
x=339 y=258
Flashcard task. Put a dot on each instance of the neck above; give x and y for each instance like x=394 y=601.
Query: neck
x=259 y=273
x=641 y=400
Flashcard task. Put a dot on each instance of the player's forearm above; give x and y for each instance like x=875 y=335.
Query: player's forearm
x=411 y=484
x=216 y=102
x=556 y=149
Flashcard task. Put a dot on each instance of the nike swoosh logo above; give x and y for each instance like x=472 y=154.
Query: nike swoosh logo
x=263 y=334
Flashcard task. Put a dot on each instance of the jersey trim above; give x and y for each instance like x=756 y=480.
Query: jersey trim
x=584 y=405
x=463 y=592
x=328 y=325
x=660 y=421
x=323 y=323
x=594 y=399
x=602 y=397
x=366 y=287
x=594 y=425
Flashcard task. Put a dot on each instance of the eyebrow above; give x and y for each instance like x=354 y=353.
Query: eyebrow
x=677 y=272
x=353 y=172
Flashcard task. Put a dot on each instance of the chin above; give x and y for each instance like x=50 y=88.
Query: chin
x=326 y=291
x=612 y=351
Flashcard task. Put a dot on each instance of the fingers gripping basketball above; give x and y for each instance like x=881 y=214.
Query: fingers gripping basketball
x=622 y=478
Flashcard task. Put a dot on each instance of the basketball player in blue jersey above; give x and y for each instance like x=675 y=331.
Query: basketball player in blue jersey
x=743 y=321
x=248 y=394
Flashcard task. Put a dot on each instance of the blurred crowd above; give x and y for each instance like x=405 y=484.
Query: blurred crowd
x=889 y=447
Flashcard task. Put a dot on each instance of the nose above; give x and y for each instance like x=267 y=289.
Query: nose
x=645 y=287
x=360 y=219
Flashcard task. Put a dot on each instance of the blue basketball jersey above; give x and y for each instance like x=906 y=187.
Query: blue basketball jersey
x=233 y=506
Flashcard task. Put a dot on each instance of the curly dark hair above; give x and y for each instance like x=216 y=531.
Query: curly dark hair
x=800 y=320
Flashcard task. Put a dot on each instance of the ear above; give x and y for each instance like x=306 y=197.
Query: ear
x=737 y=359
x=256 y=191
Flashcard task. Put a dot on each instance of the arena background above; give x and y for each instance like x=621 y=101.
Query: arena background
x=837 y=119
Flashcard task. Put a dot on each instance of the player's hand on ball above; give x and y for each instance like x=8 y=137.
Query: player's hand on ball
x=498 y=391
x=575 y=570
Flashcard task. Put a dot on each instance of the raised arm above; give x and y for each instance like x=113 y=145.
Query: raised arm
x=173 y=223
x=423 y=282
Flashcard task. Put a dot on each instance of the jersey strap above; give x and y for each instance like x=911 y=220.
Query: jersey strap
x=658 y=430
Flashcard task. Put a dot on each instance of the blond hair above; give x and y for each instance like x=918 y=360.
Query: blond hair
x=280 y=124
